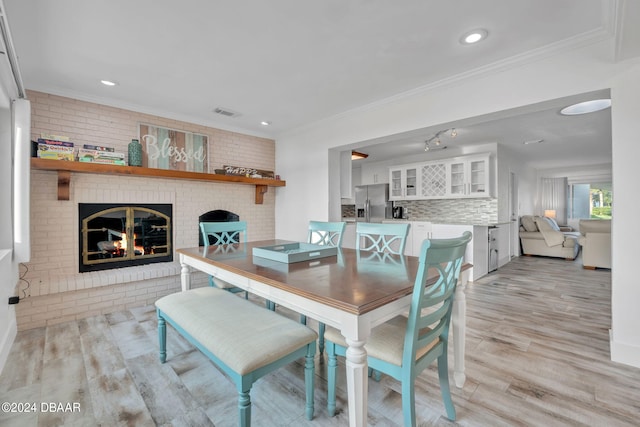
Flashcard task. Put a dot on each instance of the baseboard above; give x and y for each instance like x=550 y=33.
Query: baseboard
x=6 y=341
x=624 y=353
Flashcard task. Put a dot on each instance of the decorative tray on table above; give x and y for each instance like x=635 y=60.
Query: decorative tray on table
x=294 y=252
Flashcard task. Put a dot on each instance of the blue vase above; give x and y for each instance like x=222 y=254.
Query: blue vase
x=135 y=153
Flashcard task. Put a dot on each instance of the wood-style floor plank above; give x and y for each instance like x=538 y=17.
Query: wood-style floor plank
x=537 y=355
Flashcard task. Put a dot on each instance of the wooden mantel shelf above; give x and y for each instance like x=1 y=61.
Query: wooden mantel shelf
x=64 y=169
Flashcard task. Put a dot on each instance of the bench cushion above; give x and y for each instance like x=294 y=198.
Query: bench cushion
x=241 y=334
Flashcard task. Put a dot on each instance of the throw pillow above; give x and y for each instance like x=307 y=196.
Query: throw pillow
x=544 y=224
x=528 y=223
x=551 y=236
x=553 y=223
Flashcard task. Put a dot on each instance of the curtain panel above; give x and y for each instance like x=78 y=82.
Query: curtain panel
x=553 y=197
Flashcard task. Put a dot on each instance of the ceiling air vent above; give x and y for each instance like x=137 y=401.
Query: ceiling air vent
x=226 y=112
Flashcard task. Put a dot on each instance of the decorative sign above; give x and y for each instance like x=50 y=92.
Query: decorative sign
x=164 y=148
x=256 y=173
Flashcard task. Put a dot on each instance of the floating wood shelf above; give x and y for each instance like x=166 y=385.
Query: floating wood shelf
x=64 y=169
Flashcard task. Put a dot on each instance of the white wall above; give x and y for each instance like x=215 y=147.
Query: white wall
x=8 y=269
x=300 y=153
x=625 y=112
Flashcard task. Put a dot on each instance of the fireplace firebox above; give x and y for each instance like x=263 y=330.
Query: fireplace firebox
x=218 y=215
x=124 y=235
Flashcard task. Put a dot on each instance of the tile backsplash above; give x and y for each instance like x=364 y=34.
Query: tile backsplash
x=348 y=211
x=468 y=211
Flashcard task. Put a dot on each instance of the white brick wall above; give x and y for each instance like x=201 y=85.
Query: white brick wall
x=56 y=291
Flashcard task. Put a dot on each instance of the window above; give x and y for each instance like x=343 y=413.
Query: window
x=592 y=200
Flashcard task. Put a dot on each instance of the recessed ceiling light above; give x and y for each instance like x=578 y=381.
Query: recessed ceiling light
x=265 y=123
x=586 y=107
x=474 y=36
x=108 y=82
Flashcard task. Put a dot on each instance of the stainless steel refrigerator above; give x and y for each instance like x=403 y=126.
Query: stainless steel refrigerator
x=372 y=203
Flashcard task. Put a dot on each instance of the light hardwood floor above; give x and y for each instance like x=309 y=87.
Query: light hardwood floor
x=537 y=355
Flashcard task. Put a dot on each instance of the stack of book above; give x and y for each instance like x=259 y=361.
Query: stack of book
x=55 y=147
x=99 y=154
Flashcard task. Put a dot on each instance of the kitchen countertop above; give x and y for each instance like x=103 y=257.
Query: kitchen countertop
x=482 y=224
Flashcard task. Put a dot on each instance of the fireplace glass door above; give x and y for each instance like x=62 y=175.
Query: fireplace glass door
x=121 y=236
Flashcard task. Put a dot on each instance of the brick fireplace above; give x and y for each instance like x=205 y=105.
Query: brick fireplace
x=52 y=288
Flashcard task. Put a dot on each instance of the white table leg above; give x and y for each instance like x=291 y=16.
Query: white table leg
x=185 y=275
x=357 y=377
x=458 y=323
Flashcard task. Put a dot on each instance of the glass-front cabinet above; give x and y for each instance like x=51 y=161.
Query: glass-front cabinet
x=478 y=179
x=457 y=179
x=460 y=177
x=469 y=177
x=395 y=184
x=404 y=182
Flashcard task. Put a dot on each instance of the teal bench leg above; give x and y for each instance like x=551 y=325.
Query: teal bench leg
x=244 y=408
x=162 y=337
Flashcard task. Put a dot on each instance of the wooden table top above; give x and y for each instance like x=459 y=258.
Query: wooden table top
x=354 y=281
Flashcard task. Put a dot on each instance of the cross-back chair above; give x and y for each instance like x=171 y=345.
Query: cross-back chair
x=326 y=233
x=224 y=233
x=404 y=346
x=378 y=237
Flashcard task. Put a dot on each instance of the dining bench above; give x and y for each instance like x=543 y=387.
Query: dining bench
x=242 y=339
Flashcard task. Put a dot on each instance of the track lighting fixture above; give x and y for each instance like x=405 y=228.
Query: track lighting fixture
x=435 y=141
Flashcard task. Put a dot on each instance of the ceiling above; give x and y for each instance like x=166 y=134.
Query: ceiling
x=563 y=141
x=292 y=63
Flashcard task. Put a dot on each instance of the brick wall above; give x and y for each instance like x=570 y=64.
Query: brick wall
x=56 y=291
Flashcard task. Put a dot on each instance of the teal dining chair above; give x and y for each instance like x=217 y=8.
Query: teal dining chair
x=224 y=233
x=227 y=233
x=324 y=234
x=404 y=346
x=378 y=237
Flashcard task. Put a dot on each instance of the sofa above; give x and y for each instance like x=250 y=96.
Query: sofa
x=595 y=239
x=540 y=235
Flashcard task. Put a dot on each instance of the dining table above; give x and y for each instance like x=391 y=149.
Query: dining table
x=351 y=290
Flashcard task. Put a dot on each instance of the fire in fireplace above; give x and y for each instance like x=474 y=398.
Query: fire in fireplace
x=124 y=235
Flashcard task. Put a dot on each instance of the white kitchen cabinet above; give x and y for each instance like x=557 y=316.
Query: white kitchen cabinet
x=404 y=182
x=349 y=236
x=433 y=180
x=355 y=181
x=346 y=186
x=374 y=174
x=419 y=230
x=460 y=177
x=469 y=177
x=477 y=252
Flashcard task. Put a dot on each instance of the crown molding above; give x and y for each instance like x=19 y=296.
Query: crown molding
x=588 y=38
